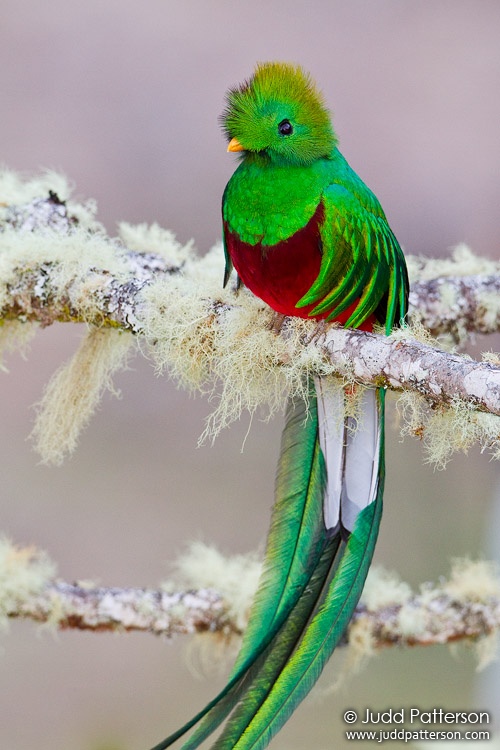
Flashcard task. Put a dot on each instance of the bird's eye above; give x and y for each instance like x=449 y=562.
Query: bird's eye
x=285 y=127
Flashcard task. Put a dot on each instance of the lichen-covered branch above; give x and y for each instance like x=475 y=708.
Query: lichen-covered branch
x=79 y=607
x=432 y=617
x=58 y=264
x=441 y=620
x=457 y=305
x=213 y=594
x=448 y=304
x=442 y=305
x=396 y=363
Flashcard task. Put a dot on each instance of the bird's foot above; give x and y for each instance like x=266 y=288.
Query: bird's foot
x=276 y=323
x=320 y=329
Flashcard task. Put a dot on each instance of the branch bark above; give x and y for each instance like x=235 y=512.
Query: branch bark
x=457 y=305
x=441 y=618
x=441 y=377
x=444 y=305
x=74 y=606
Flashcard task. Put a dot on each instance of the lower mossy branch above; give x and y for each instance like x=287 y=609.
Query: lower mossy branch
x=80 y=607
x=466 y=605
x=433 y=617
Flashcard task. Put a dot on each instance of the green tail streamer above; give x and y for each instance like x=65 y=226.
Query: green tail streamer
x=295 y=544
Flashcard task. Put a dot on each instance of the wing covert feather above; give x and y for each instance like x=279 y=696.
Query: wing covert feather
x=361 y=259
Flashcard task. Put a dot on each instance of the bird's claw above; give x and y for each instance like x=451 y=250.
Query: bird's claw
x=276 y=322
x=320 y=329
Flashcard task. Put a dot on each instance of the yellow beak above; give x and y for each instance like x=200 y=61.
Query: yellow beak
x=235 y=145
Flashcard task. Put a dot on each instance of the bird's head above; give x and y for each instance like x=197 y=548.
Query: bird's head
x=279 y=114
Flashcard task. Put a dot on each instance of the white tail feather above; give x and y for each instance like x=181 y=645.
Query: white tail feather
x=331 y=426
x=351 y=449
x=361 y=459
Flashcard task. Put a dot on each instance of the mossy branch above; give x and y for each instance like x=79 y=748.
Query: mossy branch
x=82 y=607
x=39 y=292
x=38 y=289
x=58 y=264
x=466 y=606
x=71 y=606
x=405 y=364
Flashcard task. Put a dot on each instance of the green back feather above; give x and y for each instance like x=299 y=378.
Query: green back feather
x=361 y=257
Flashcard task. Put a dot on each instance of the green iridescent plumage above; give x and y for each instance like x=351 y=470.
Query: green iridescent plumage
x=297 y=540
x=274 y=93
x=307 y=236
x=310 y=635
x=277 y=189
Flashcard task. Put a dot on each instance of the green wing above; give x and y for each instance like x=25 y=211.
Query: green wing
x=361 y=261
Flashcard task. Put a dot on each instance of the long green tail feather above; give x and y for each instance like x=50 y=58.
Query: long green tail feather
x=297 y=534
x=253 y=722
x=296 y=540
x=274 y=659
x=320 y=636
x=270 y=661
x=297 y=619
x=294 y=546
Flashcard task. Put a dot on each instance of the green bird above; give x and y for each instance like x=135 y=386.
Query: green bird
x=307 y=236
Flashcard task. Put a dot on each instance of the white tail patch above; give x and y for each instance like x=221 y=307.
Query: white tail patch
x=351 y=449
x=362 y=457
x=331 y=426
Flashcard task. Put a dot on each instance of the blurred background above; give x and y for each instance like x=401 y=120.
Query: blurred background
x=124 y=97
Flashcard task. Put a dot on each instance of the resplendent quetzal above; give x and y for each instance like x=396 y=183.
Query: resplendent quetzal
x=307 y=236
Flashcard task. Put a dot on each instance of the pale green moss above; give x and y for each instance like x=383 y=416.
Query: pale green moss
x=462 y=262
x=14 y=336
x=17 y=188
x=151 y=238
x=384 y=588
x=23 y=574
x=454 y=428
x=235 y=578
x=70 y=257
x=476 y=581
x=473 y=581
x=76 y=389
